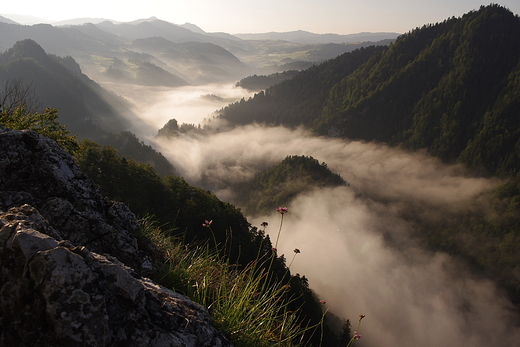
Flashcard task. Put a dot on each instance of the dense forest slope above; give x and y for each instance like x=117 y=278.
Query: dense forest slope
x=452 y=87
x=58 y=82
x=279 y=184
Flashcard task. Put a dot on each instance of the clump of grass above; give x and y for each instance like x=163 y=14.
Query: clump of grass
x=247 y=305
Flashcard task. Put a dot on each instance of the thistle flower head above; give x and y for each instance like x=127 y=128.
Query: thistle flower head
x=356 y=335
x=282 y=210
x=323 y=302
x=361 y=316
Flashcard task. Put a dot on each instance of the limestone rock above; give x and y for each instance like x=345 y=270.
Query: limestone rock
x=34 y=170
x=55 y=294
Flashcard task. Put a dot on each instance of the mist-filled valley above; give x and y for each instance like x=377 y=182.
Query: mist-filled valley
x=358 y=246
x=418 y=227
x=357 y=250
x=155 y=106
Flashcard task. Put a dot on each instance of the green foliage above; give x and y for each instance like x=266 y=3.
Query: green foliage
x=249 y=310
x=298 y=100
x=128 y=145
x=44 y=123
x=277 y=185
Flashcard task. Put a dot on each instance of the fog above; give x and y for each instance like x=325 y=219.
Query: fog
x=190 y=104
x=411 y=296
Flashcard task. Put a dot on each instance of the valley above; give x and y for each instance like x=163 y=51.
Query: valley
x=421 y=236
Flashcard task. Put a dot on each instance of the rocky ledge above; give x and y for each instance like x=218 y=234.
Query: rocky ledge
x=71 y=271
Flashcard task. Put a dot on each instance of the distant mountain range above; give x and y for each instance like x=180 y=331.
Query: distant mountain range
x=99 y=44
x=301 y=36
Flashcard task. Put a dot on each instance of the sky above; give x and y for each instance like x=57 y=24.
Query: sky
x=246 y=16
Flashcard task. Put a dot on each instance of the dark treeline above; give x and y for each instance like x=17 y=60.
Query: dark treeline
x=280 y=183
x=256 y=82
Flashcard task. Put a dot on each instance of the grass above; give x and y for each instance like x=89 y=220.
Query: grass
x=247 y=305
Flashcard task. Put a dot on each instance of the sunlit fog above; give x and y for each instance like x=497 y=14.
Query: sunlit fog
x=189 y=104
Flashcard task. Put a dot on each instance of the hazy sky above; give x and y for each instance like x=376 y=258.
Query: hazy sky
x=245 y=16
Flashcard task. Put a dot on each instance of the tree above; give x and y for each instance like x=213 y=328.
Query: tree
x=18 y=110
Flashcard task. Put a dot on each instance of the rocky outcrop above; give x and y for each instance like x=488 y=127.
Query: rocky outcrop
x=35 y=171
x=71 y=268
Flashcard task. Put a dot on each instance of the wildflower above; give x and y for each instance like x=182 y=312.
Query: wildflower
x=356 y=335
x=323 y=302
x=207 y=223
x=273 y=249
x=282 y=210
x=361 y=316
x=296 y=250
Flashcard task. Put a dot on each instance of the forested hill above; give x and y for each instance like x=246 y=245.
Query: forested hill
x=279 y=184
x=452 y=87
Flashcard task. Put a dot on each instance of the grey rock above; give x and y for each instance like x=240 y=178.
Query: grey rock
x=35 y=171
x=55 y=294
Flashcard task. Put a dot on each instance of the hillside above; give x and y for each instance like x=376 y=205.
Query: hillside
x=278 y=185
x=58 y=82
x=452 y=88
x=86 y=108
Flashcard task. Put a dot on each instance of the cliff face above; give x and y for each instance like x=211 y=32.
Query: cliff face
x=71 y=270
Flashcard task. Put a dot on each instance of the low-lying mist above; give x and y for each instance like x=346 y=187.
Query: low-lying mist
x=190 y=104
x=410 y=296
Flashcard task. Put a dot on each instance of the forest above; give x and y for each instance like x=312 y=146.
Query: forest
x=450 y=87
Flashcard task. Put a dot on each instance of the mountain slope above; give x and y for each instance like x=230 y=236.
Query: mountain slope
x=433 y=87
x=452 y=88
x=59 y=83
x=278 y=185
x=87 y=109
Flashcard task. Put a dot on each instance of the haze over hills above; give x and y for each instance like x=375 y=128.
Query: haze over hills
x=84 y=39
x=423 y=244
x=302 y=36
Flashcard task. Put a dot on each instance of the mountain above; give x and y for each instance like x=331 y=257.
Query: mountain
x=25 y=20
x=197 y=62
x=7 y=20
x=87 y=109
x=301 y=36
x=80 y=21
x=452 y=88
x=200 y=57
x=59 y=83
x=278 y=185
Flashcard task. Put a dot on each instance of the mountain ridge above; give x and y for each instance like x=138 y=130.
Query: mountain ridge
x=419 y=92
